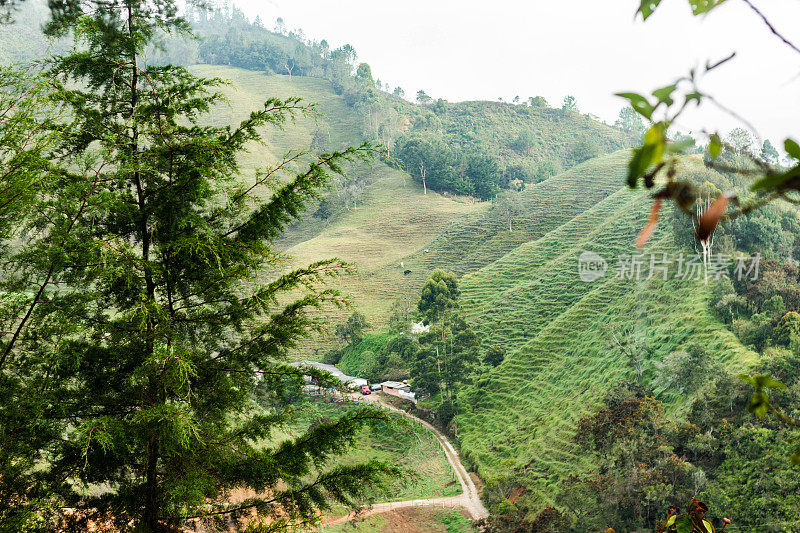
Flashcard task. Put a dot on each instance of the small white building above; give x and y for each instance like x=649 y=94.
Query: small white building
x=418 y=328
x=355 y=383
x=410 y=396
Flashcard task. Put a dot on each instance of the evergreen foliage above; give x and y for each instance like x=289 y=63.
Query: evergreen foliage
x=144 y=304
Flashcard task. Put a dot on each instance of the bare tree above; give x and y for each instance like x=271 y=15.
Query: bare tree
x=422 y=175
x=289 y=69
x=508 y=205
x=707 y=244
x=632 y=345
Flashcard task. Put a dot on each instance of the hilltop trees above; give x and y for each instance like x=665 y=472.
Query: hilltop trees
x=570 y=104
x=146 y=303
x=364 y=75
x=769 y=153
x=630 y=121
x=537 y=101
x=741 y=141
x=439 y=168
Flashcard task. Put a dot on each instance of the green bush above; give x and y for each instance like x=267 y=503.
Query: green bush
x=582 y=150
x=788 y=327
x=546 y=169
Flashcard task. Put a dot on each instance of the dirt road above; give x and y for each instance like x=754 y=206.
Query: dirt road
x=468 y=499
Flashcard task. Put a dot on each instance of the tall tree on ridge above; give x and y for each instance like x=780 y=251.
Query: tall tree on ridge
x=147 y=303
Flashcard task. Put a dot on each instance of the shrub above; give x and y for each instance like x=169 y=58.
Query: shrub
x=332 y=357
x=494 y=355
x=788 y=327
x=546 y=168
x=524 y=143
x=582 y=150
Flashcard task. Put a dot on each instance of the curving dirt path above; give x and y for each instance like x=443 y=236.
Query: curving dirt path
x=468 y=499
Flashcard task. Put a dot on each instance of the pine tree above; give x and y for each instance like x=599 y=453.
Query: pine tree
x=25 y=120
x=147 y=304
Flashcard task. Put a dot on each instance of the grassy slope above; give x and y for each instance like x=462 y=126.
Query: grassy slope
x=562 y=358
x=404 y=443
x=474 y=239
x=396 y=222
x=493 y=126
x=395 y=218
x=247 y=90
x=520 y=287
x=410 y=520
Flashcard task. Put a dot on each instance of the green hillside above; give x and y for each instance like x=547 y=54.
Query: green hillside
x=562 y=358
x=518 y=134
x=520 y=362
x=520 y=287
x=394 y=221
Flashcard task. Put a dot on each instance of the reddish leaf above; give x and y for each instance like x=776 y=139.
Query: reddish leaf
x=708 y=222
x=650 y=227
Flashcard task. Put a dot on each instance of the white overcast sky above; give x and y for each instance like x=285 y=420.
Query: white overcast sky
x=469 y=50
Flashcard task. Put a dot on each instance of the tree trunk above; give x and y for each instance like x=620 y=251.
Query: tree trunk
x=150 y=515
x=439 y=369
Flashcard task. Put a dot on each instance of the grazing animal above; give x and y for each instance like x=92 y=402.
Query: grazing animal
x=406 y=272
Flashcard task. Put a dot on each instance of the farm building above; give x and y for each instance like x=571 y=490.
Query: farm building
x=394 y=387
x=397 y=388
x=349 y=381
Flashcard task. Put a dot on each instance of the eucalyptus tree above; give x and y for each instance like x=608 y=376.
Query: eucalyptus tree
x=146 y=304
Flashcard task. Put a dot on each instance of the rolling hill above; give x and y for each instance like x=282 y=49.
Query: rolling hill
x=518 y=272
x=520 y=287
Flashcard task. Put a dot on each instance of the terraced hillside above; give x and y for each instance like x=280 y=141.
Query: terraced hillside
x=558 y=330
x=398 y=228
x=396 y=222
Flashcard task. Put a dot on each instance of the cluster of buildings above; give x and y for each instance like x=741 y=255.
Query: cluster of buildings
x=395 y=388
x=349 y=381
